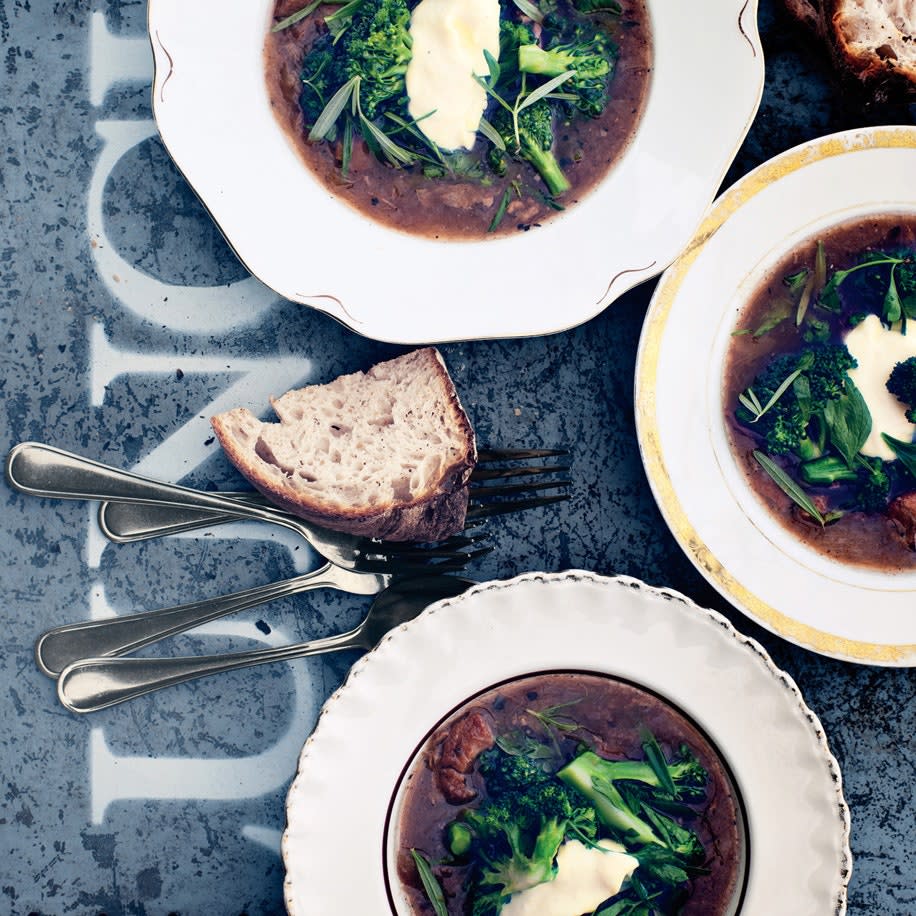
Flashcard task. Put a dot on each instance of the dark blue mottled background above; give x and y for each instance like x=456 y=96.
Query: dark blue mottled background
x=189 y=856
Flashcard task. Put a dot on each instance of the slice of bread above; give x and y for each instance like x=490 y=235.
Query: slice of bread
x=873 y=41
x=385 y=453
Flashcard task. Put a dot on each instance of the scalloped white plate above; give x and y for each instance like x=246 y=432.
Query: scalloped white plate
x=848 y=612
x=339 y=804
x=212 y=110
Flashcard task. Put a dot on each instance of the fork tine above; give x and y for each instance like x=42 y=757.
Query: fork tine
x=489 y=455
x=513 y=505
x=450 y=548
x=511 y=488
x=450 y=563
x=524 y=471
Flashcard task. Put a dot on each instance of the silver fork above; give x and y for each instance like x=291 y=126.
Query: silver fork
x=124 y=522
x=42 y=470
x=97 y=683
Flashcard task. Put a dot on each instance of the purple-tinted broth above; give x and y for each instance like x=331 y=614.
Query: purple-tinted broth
x=869 y=540
x=613 y=715
x=453 y=208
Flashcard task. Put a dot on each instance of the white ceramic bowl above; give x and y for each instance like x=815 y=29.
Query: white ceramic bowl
x=837 y=609
x=211 y=105
x=338 y=849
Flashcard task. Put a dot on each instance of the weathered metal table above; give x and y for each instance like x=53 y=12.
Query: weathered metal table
x=126 y=320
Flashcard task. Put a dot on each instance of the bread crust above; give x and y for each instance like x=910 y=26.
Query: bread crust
x=871 y=41
x=431 y=515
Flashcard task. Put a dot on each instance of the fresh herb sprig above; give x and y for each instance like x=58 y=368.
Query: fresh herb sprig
x=893 y=307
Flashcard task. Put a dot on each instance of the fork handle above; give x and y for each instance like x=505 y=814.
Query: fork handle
x=42 y=470
x=57 y=648
x=96 y=683
x=126 y=522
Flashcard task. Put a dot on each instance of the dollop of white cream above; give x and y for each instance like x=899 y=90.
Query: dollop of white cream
x=585 y=878
x=877 y=350
x=448 y=41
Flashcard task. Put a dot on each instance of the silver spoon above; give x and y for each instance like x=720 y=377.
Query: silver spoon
x=56 y=649
x=96 y=683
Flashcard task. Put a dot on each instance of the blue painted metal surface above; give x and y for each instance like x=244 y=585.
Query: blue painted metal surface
x=174 y=803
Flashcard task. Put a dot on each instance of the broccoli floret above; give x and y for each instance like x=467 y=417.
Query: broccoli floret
x=521 y=869
x=902 y=384
x=533 y=143
x=822 y=376
x=319 y=78
x=377 y=49
x=503 y=771
x=371 y=41
x=512 y=36
x=513 y=837
x=604 y=784
x=592 y=55
x=874 y=485
x=827 y=373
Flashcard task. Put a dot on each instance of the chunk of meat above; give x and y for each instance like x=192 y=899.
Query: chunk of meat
x=454 y=756
x=902 y=512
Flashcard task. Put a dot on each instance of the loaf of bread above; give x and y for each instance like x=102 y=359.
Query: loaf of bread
x=871 y=40
x=385 y=453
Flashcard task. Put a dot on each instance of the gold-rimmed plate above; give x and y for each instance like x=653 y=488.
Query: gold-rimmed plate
x=846 y=611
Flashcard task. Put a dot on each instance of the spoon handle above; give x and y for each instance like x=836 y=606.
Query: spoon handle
x=57 y=648
x=96 y=683
x=42 y=470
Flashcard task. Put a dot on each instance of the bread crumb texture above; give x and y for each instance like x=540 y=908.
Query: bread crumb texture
x=368 y=443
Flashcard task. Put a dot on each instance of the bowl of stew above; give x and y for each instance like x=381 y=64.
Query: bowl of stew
x=774 y=385
x=570 y=790
x=566 y=743
x=584 y=176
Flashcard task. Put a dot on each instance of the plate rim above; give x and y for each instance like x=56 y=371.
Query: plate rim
x=618 y=279
x=758 y=653
x=647 y=430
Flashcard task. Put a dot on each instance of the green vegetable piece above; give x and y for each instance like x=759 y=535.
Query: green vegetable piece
x=598 y=6
x=789 y=486
x=589 y=56
x=902 y=384
x=848 y=422
x=905 y=452
x=893 y=307
x=825 y=471
x=459 y=838
x=796 y=282
x=530 y=137
x=433 y=890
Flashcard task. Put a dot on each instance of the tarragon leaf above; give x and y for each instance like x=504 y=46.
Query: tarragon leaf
x=396 y=154
x=299 y=15
x=500 y=210
x=789 y=486
x=530 y=10
x=537 y=94
x=491 y=133
x=332 y=111
x=430 y=884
